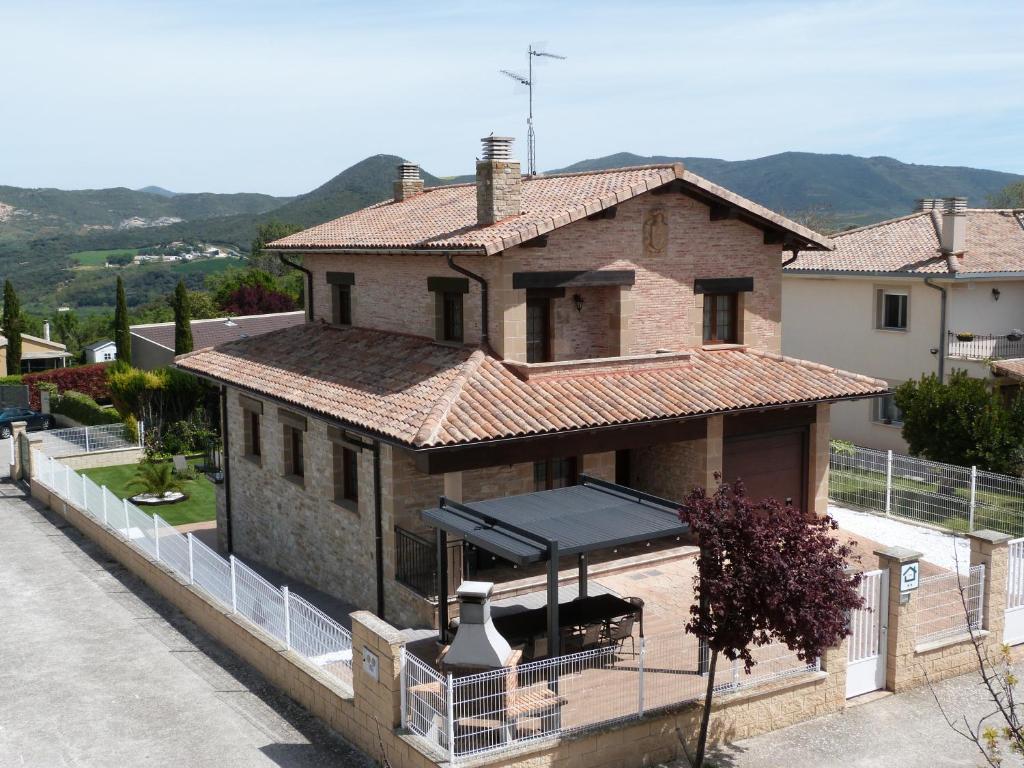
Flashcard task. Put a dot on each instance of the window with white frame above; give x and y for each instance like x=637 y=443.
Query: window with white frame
x=887 y=412
x=892 y=309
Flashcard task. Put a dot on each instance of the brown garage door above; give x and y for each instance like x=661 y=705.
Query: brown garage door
x=769 y=464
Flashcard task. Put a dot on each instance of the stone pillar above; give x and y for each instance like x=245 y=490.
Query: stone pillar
x=376 y=644
x=18 y=432
x=834 y=662
x=989 y=548
x=902 y=620
x=622 y=321
x=508 y=311
x=599 y=465
x=817 y=461
x=453 y=486
x=714 y=451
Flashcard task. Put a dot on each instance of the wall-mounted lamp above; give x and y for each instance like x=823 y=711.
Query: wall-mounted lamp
x=577 y=300
x=995 y=294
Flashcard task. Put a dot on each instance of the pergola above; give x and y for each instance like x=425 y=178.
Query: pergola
x=546 y=525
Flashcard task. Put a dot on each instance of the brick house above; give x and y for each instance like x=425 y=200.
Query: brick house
x=491 y=339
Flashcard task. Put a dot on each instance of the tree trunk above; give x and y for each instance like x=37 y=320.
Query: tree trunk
x=702 y=740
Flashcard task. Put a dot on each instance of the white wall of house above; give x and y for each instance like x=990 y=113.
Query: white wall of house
x=972 y=307
x=103 y=354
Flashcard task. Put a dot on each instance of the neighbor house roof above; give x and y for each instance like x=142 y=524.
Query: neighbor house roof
x=445 y=218
x=209 y=333
x=1013 y=368
x=97 y=345
x=910 y=244
x=423 y=394
x=51 y=349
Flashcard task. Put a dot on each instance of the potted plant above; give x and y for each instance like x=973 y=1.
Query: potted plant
x=1015 y=335
x=964 y=336
x=158 y=482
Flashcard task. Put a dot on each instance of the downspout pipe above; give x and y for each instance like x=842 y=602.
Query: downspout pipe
x=792 y=258
x=485 y=333
x=309 y=283
x=942 y=327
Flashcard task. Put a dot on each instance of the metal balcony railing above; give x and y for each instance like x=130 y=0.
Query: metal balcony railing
x=980 y=346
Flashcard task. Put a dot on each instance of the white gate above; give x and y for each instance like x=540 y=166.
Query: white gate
x=865 y=669
x=1013 y=630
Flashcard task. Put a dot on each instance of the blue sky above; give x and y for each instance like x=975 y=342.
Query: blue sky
x=278 y=97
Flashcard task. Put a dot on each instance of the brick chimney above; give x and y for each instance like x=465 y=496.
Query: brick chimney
x=953 y=234
x=409 y=184
x=498 y=182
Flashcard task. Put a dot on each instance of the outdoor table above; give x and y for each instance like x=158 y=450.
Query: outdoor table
x=518 y=627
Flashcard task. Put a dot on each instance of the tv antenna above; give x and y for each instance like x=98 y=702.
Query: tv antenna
x=527 y=80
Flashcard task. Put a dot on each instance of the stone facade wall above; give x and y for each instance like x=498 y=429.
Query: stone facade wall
x=672 y=470
x=299 y=529
x=665 y=312
x=390 y=291
x=104 y=458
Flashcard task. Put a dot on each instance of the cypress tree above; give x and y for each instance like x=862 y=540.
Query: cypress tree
x=182 y=320
x=12 y=328
x=122 y=337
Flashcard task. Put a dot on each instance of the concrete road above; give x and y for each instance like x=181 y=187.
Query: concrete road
x=97 y=670
x=907 y=731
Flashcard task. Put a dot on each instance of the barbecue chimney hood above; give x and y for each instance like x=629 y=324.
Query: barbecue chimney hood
x=477 y=643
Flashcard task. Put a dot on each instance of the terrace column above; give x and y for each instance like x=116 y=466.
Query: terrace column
x=817 y=461
x=989 y=548
x=714 y=452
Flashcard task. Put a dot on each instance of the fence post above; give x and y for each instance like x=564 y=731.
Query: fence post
x=191 y=562
x=888 y=483
x=127 y=522
x=156 y=535
x=403 y=683
x=736 y=674
x=142 y=434
x=103 y=493
x=287 y=617
x=85 y=498
x=974 y=486
x=451 y=719
x=86 y=439
x=640 y=668
x=234 y=588
x=51 y=483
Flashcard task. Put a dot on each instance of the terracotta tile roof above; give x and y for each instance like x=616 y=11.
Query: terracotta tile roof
x=910 y=244
x=424 y=394
x=444 y=218
x=1014 y=368
x=209 y=333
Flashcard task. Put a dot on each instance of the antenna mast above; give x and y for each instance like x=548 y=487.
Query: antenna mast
x=527 y=80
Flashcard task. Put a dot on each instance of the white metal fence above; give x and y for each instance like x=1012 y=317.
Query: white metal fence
x=503 y=709
x=299 y=625
x=958 y=498
x=76 y=440
x=941 y=611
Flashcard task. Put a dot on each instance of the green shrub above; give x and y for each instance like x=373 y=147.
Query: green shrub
x=15 y=379
x=84 y=409
x=190 y=435
x=131 y=429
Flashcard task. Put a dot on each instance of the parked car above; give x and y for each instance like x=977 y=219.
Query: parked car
x=33 y=420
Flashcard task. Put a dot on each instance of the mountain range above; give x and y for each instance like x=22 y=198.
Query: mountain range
x=40 y=227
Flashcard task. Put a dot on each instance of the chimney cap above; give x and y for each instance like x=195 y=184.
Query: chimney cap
x=954 y=204
x=497 y=147
x=479 y=590
x=408 y=171
x=928 y=203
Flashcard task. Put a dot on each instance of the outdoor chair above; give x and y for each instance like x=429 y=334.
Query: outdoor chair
x=180 y=465
x=619 y=631
x=590 y=637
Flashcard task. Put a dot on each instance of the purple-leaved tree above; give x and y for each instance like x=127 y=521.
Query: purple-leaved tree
x=765 y=572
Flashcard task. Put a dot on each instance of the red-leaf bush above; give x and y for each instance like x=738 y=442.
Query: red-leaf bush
x=257 y=300
x=90 y=380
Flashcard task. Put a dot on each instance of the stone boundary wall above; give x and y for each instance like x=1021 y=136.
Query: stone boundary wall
x=114 y=458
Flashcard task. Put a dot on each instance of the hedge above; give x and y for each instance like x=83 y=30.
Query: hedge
x=89 y=380
x=84 y=409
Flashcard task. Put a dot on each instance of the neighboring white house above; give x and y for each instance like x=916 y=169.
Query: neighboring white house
x=937 y=290
x=101 y=352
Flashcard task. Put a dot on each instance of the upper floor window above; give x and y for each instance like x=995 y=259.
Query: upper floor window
x=538 y=328
x=449 y=294
x=554 y=473
x=341 y=296
x=293 y=429
x=891 y=309
x=252 y=414
x=720 y=325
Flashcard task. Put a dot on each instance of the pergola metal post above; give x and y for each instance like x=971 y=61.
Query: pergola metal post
x=583 y=575
x=554 y=636
x=442 y=585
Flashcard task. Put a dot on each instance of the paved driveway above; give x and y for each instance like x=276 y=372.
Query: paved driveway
x=906 y=731
x=97 y=670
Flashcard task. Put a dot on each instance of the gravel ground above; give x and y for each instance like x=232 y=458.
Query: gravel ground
x=937 y=546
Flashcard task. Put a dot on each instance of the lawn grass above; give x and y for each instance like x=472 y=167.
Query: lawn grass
x=99 y=258
x=200 y=505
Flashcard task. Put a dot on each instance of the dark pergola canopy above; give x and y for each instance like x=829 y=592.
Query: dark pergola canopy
x=546 y=525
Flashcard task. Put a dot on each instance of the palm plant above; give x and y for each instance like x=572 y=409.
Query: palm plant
x=155 y=478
